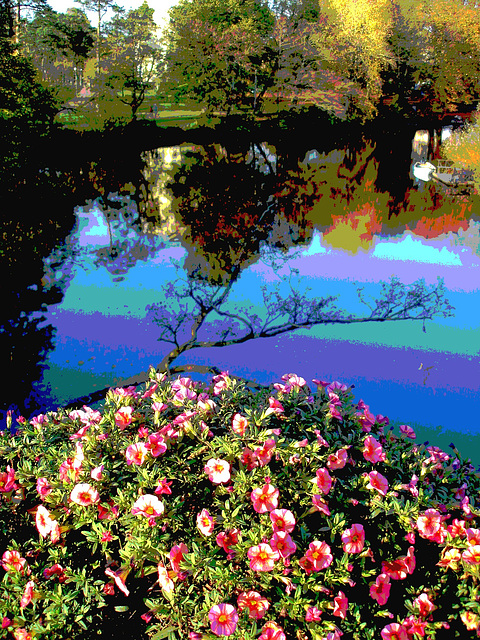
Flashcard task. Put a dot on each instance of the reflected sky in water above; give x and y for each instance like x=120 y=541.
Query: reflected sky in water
x=335 y=231
x=427 y=379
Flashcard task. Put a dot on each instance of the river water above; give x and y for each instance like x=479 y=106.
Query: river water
x=256 y=217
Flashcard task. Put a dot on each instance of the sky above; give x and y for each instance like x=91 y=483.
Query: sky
x=161 y=7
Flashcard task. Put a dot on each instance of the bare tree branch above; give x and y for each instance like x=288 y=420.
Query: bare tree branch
x=199 y=302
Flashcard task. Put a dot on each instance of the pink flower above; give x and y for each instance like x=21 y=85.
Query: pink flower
x=107 y=514
x=399 y=568
x=457 y=528
x=239 y=424
x=164 y=580
x=126 y=392
x=429 y=523
x=470 y=620
x=176 y=556
x=218 y=471
x=256 y=604
x=136 y=453
x=409 y=559
x=292 y=382
x=340 y=605
x=205 y=404
x=223 y=619
x=55 y=570
x=320 y=504
x=262 y=557
x=408 y=431
x=473 y=536
x=84 y=494
x=22 y=634
x=274 y=407
x=6 y=622
x=264 y=453
x=282 y=520
x=228 y=539
x=319 y=554
x=150 y=390
x=338 y=459
x=472 y=554
x=123 y=417
x=79 y=456
x=450 y=558
x=205 y=523
x=380 y=589
x=106 y=537
x=323 y=480
x=43 y=521
x=414 y=626
x=272 y=631
x=283 y=543
x=149 y=506
x=163 y=487
x=265 y=498
x=353 y=539
x=7 y=480
x=55 y=532
x=424 y=605
x=372 y=450
x=119 y=577
x=43 y=487
x=27 y=594
x=394 y=631
x=377 y=482
x=68 y=471
x=313 y=614
x=156 y=444
x=96 y=474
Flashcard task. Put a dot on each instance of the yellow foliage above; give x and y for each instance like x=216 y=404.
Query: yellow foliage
x=356 y=38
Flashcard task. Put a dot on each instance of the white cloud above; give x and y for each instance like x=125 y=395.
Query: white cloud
x=408 y=249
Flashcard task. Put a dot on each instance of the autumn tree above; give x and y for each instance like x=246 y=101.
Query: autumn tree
x=354 y=45
x=451 y=58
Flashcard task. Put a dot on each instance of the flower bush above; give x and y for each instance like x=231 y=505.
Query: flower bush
x=191 y=511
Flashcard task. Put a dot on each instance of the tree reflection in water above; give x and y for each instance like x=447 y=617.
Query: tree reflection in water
x=226 y=203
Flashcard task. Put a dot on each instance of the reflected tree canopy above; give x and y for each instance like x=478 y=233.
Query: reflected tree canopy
x=227 y=203
x=224 y=201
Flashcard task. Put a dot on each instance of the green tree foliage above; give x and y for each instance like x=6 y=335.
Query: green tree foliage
x=218 y=52
x=100 y=7
x=26 y=108
x=133 y=56
x=59 y=44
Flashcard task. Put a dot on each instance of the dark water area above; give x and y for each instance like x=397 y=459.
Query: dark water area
x=88 y=243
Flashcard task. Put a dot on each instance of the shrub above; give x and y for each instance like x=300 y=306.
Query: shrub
x=194 y=511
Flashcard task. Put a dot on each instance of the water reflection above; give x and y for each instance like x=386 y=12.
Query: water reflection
x=341 y=214
x=223 y=204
